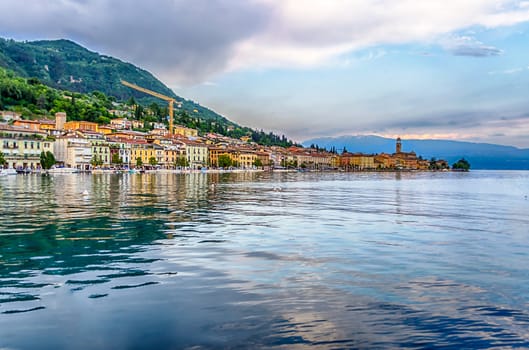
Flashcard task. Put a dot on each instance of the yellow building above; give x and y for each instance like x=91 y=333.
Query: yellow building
x=357 y=161
x=335 y=161
x=101 y=152
x=187 y=132
x=27 y=124
x=107 y=130
x=213 y=153
x=384 y=161
x=196 y=153
x=22 y=147
x=243 y=158
x=146 y=152
x=81 y=125
x=264 y=157
x=360 y=161
x=47 y=124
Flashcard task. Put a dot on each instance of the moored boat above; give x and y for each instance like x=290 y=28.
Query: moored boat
x=8 y=171
x=64 y=170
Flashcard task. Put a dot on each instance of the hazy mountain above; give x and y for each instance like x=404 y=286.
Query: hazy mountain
x=480 y=155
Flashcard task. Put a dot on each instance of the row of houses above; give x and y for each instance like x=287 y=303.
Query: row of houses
x=85 y=145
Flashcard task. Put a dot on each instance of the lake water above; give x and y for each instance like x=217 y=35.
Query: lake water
x=259 y=260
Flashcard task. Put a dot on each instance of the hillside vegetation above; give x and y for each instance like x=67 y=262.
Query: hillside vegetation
x=43 y=77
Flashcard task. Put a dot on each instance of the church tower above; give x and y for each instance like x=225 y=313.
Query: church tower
x=399 y=146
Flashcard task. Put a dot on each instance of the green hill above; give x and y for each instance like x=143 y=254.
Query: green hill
x=69 y=68
x=65 y=65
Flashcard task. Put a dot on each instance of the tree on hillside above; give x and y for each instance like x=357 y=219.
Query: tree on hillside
x=47 y=160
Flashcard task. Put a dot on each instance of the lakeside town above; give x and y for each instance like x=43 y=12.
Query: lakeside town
x=90 y=147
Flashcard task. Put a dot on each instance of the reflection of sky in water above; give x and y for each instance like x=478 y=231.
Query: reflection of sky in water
x=252 y=260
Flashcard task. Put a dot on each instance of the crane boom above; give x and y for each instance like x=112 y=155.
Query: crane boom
x=155 y=94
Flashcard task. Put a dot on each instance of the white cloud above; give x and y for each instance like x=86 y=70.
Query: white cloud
x=191 y=41
x=319 y=30
x=507 y=71
x=469 y=46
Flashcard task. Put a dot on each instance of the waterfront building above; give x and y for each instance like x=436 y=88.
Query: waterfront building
x=22 y=147
x=213 y=155
x=264 y=157
x=196 y=153
x=73 y=150
x=101 y=150
x=146 y=152
x=123 y=151
x=172 y=151
x=357 y=161
x=404 y=160
x=360 y=161
x=171 y=154
x=242 y=157
x=384 y=161
x=334 y=161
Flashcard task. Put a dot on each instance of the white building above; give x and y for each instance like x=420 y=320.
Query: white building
x=74 y=151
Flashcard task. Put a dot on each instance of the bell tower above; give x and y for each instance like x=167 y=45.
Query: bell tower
x=398 y=147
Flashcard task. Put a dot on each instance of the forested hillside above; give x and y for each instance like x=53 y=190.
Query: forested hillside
x=33 y=99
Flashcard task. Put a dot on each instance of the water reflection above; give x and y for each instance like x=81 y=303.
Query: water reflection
x=264 y=260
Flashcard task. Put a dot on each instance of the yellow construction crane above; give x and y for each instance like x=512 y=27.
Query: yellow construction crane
x=171 y=100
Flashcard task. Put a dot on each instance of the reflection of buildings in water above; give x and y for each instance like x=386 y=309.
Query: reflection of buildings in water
x=398 y=202
x=196 y=186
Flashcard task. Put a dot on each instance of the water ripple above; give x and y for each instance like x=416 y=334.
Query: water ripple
x=326 y=261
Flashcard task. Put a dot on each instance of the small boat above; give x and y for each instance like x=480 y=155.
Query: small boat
x=8 y=171
x=64 y=170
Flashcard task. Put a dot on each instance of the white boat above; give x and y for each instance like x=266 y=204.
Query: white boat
x=8 y=171
x=65 y=170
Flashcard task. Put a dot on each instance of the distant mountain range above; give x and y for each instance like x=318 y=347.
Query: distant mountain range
x=65 y=65
x=480 y=155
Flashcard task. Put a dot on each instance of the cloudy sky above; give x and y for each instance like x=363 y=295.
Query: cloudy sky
x=452 y=69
